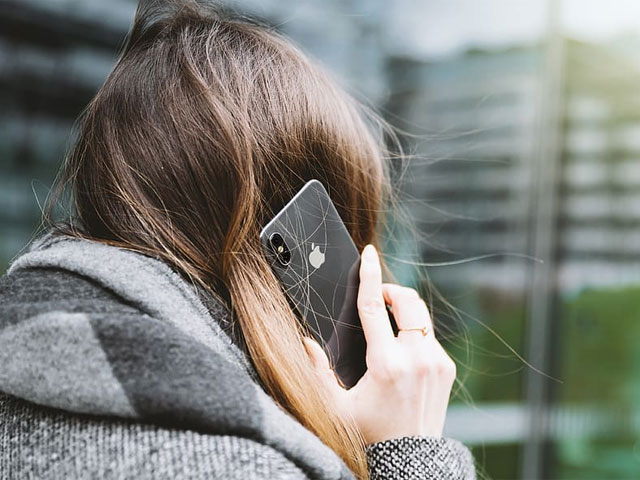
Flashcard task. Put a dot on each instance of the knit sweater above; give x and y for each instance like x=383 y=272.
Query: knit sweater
x=113 y=366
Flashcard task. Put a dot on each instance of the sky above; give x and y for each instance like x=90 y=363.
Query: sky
x=434 y=28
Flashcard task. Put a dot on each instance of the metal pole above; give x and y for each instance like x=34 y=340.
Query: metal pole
x=546 y=171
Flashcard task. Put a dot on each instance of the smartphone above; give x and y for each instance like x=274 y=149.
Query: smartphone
x=317 y=263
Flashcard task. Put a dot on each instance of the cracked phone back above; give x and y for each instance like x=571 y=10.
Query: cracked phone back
x=321 y=280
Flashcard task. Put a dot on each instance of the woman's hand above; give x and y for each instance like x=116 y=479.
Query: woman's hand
x=405 y=390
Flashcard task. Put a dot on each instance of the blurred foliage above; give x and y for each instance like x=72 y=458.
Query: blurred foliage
x=497 y=462
x=487 y=330
x=601 y=374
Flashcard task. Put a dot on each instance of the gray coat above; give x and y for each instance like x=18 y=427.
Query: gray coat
x=113 y=366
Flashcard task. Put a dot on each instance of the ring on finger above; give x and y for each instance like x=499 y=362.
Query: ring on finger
x=425 y=330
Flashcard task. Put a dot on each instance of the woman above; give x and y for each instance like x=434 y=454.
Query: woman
x=147 y=337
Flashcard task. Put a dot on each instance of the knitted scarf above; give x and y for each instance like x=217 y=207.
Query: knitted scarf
x=171 y=365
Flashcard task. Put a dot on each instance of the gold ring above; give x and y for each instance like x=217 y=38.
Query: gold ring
x=424 y=330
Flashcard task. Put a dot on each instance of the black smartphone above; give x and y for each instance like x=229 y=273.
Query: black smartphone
x=317 y=263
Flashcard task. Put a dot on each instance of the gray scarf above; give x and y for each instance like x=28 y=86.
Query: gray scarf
x=170 y=365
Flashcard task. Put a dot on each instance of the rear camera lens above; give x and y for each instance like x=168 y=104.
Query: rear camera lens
x=280 y=249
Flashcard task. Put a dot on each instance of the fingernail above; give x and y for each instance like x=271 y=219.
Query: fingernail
x=369 y=253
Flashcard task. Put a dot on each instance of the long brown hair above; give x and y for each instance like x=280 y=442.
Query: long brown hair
x=208 y=124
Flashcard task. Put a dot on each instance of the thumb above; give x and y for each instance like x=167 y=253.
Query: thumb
x=317 y=355
x=321 y=364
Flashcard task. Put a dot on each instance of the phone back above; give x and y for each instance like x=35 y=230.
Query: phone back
x=320 y=275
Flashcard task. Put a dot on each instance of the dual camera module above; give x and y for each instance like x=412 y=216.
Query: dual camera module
x=280 y=249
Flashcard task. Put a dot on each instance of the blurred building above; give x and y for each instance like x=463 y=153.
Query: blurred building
x=54 y=55
x=600 y=183
x=475 y=119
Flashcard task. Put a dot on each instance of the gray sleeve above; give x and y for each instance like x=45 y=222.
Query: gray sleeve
x=420 y=458
x=39 y=443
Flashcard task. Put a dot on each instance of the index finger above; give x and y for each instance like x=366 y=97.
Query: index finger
x=371 y=305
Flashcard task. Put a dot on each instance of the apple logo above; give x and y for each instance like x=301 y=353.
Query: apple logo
x=316 y=257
